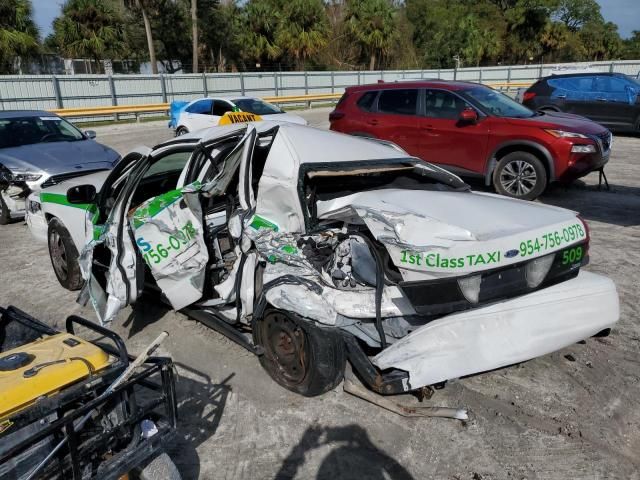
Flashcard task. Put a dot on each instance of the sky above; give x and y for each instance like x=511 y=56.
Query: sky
x=626 y=13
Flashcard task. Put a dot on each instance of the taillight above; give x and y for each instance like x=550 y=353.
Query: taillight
x=528 y=96
x=587 y=232
x=335 y=115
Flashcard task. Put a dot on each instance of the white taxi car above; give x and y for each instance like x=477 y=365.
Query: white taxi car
x=329 y=248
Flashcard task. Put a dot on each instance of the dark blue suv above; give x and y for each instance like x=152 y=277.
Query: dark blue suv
x=612 y=99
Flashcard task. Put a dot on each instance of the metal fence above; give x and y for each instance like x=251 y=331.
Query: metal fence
x=50 y=91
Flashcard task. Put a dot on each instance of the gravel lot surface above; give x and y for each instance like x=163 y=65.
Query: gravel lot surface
x=573 y=414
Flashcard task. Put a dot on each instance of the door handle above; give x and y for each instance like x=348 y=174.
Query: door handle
x=427 y=127
x=561 y=96
x=601 y=99
x=373 y=121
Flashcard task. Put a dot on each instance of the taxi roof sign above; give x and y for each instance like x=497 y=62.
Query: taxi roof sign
x=238 y=117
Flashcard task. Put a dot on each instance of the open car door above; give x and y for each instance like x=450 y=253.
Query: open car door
x=108 y=263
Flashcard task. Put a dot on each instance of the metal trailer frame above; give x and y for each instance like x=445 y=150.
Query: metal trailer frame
x=155 y=379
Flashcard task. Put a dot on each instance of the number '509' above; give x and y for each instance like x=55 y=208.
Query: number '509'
x=572 y=255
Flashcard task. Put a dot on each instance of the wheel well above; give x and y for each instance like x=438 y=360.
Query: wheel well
x=523 y=148
x=550 y=108
x=48 y=217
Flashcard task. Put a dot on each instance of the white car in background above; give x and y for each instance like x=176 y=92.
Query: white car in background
x=207 y=112
x=328 y=248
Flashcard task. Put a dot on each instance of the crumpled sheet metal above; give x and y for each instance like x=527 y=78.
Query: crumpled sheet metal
x=171 y=223
x=506 y=332
x=107 y=303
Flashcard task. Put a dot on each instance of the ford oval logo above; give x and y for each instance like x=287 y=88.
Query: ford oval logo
x=511 y=253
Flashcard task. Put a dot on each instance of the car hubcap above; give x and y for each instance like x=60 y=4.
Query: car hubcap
x=58 y=255
x=518 y=177
x=285 y=345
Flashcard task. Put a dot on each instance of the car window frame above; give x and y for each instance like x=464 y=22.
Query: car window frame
x=381 y=92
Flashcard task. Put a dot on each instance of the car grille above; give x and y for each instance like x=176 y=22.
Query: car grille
x=56 y=179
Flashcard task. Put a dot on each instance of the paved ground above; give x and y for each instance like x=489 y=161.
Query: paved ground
x=574 y=414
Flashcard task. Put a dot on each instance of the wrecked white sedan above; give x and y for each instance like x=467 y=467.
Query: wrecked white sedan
x=311 y=248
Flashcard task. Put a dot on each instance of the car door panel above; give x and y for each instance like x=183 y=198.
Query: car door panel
x=447 y=141
x=396 y=119
x=109 y=264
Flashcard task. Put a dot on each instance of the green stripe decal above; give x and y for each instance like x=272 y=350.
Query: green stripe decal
x=155 y=206
x=61 y=199
x=259 y=222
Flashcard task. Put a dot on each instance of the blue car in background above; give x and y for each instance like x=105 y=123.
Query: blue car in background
x=611 y=99
x=39 y=149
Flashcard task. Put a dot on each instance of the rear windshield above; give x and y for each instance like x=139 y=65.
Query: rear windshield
x=15 y=132
x=340 y=181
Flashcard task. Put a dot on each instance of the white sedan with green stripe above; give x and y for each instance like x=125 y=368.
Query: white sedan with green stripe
x=312 y=248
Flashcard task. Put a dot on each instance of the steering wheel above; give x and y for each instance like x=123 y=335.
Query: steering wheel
x=49 y=135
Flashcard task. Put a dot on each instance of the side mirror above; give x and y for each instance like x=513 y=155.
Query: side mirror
x=632 y=94
x=90 y=134
x=468 y=116
x=81 y=194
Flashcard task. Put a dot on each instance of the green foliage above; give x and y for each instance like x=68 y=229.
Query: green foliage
x=89 y=29
x=371 y=24
x=18 y=33
x=304 y=30
x=327 y=34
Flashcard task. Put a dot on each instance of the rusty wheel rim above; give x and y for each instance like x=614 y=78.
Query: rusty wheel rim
x=285 y=346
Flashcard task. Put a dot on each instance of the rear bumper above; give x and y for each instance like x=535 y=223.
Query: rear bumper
x=505 y=333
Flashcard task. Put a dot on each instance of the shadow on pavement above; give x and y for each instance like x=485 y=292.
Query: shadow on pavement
x=146 y=311
x=200 y=406
x=353 y=456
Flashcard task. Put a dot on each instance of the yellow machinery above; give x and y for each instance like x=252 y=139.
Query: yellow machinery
x=43 y=368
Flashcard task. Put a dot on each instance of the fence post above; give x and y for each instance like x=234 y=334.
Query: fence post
x=480 y=76
x=540 y=72
x=56 y=90
x=306 y=83
x=508 y=76
x=611 y=67
x=205 y=90
x=163 y=88
x=358 y=77
x=382 y=75
x=241 y=84
x=333 y=82
x=455 y=73
x=275 y=82
x=114 y=99
x=438 y=74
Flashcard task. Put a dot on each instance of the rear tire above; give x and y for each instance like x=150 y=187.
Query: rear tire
x=520 y=175
x=160 y=468
x=181 y=131
x=64 y=256
x=5 y=213
x=299 y=355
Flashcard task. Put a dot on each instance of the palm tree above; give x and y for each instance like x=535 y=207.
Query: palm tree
x=18 y=33
x=143 y=7
x=261 y=21
x=89 y=29
x=304 y=29
x=371 y=24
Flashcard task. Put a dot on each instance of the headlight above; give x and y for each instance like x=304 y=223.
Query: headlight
x=537 y=269
x=470 y=287
x=563 y=134
x=583 y=149
x=26 y=177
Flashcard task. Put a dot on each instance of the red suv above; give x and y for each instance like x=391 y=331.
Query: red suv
x=475 y=131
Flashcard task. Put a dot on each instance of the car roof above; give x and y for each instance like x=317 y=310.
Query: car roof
x=227 y=98
x=583 y=74
x=25 y=113
x=308 y=144
x=444 y=84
